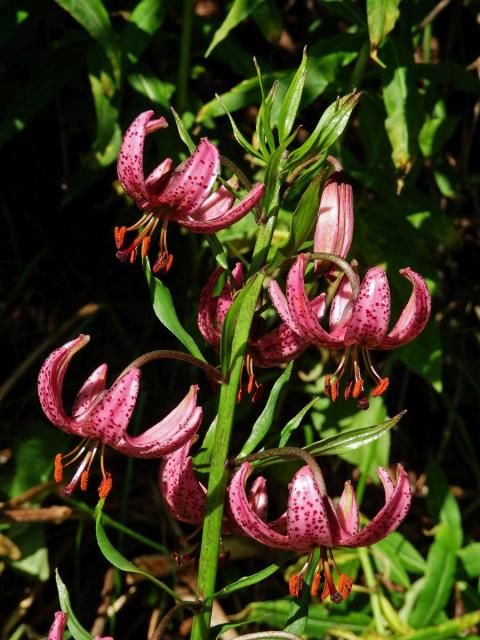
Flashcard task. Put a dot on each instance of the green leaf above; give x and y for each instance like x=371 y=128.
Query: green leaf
x=299 y=607
x=240 y=10
x=436 y=131
x=34 y=551
x=330 y=126
x=396 y=545
x=303 y=221
x=117 y=559
x=74 y=626
x=403 y=105
x=146 y=18
x=294 y=423
x=382 y=16
x=269 y=20
x=442 y=504
x=449 y=629
x=146 y=83
x=165 y=311
x=288 y=112
x=470 y=557
x=353 y=439
x=265 y=420
x=239 y=137
x=218 y=252
x=183 y=132
x=255 y=578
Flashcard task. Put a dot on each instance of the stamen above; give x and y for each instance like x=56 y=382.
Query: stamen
x=357 y=388
x=295 y=584
x=58 y=471
x=105 y=485
x=315 y=583
x=380 y=388
x=348 y=389
x=335 y=389
x=345 y=585
x=71 y=486
x=327 y=387
x=119 y=234
x=84 y=481
x=130 y=252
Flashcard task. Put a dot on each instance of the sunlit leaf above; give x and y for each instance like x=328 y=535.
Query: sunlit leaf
x=382 y=16
x=239 y=10
x=74 y=626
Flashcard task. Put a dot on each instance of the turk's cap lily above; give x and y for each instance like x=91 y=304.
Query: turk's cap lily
x=335 y=220
x=185 y=496
x=58 y=628
x=213 y=309
x=100 y=415
x=313 y=520
x=185 y=194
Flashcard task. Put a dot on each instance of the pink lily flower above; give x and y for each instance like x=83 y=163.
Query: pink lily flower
x=355 y=325
x=184 y=194
x=334 y=230
x=312 y=520
x=185 y=496
x=58 y=628
x=100 y=416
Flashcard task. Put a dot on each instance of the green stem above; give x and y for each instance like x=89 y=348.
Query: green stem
x=367 y=568
x=217 y=482
x=184 y=62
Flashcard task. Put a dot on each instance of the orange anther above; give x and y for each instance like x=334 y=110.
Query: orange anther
x=250 y=383
x=105 y=486
x=357 y=388
x=133 y=255
x=58 y=471
x=145 y=246
x=239 y=394
x=381 y=387
x=335 y=389
x=345 y=585
x=295 y=584
x=119 y=233
x=169 y=263
x=315 y=583
x=325 y=591
x=327 y=388
x=84 y=480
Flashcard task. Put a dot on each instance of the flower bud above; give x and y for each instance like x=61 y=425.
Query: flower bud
x=334 y=230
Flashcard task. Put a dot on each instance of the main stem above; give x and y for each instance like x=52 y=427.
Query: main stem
x=217 y=482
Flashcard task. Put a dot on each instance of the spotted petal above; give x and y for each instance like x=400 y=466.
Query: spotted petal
x=368 y=325
x=279 y=346
x=347 y=510
x=414 y=316
x=58 y=627
x=109 y=419
x=91 y=389
x=206 y=220
x=192 y=181
x=183 y=494
x=243 y=514
x=170 y=433
x=310 y=520
x=397 y=503
x=130 y=158
x=50 y=382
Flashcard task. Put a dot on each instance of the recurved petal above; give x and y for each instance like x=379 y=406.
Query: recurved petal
x=93 y=386
x=414 y=316
x=309 y=522
x=216 y=205
x=130 y=158
x=159 y=177
x=341 y=309
x=397 y=503
x=213 y=221
x=278 y=346
x=206 y=310
x=225 y=299
x=304 y=316
x=50 y=382
x=368 y=325
x=191 y=182
x=347 y=510
x=110 y=417
x=58 y=627
x=167 y=435
x=244 y=515
x=183 y=494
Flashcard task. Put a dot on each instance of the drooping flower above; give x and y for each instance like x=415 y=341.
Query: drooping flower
x=185 y=195
x=58 y=628
x=334 y=229
x=312 y=520
x=357 y=326
x=100 y=416
x=268 y=349
x=185 y=495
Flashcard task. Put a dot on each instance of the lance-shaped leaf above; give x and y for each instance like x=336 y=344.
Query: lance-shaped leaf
x=382 y=16
x=294 y=423
x=164 y=308
x=291 y=102
x=74 y=626
x=330 y=126
x=240 y=10
x=146 y=18
x=350 y=440
x=264 y=421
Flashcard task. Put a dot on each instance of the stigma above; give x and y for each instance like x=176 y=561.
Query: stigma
x=354 y=385
x=146 y=227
